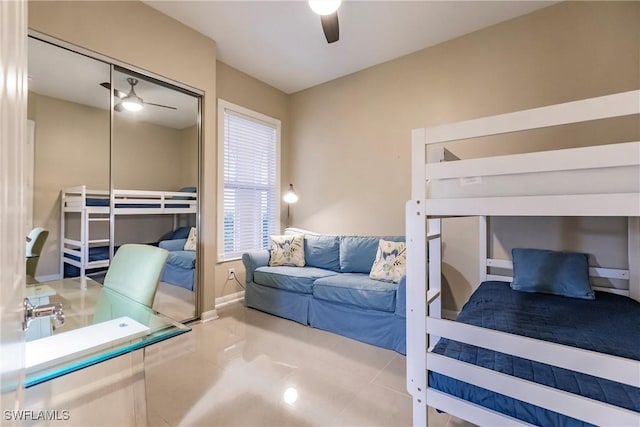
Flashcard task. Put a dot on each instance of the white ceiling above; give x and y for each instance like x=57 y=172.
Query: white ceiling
x=282 y=43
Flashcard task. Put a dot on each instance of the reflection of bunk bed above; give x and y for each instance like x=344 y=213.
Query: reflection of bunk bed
x=516 y=358
x=93 y=246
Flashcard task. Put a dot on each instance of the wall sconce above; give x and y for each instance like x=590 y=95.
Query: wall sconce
x=289 y=197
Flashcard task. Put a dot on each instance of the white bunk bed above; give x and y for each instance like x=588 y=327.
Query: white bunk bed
x=550 y=183
x=103 y=206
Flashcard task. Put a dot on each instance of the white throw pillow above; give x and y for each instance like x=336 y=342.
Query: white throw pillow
x=287 y=250
x=190 y=244
x=391 y=261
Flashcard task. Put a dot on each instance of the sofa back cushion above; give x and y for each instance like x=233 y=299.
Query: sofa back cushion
x=322 y=251
x=357 y=253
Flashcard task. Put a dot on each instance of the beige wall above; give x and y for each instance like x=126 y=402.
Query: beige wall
x=239 y=88
x=71 y=148
x=134 y=33
x=350 y=150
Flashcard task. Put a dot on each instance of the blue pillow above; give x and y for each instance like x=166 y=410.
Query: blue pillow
x=551 y=272
x=181 y=233
x=322 y=251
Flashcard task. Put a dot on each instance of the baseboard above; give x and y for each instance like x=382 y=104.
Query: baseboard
x=48 y=278
x=225 y=300
x=208 y=316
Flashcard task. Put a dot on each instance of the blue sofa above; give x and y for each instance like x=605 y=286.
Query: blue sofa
x=180 y=269
x=332 y=291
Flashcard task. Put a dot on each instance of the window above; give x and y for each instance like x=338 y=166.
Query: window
x=249 y=180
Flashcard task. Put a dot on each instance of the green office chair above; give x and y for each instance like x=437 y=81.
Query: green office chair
x=135 y=272
x=34 y=245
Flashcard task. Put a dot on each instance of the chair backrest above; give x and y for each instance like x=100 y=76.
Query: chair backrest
x=35 y=242
x=135 y=272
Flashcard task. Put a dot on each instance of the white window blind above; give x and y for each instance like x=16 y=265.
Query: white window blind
x=250 y=200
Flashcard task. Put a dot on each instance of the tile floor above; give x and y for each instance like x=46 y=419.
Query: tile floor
x=248 y=368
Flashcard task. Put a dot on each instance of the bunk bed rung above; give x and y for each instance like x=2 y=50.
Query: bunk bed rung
x=99 y=219
x=99 y=241
x=77 y=243
x=579 y=407
x=73 y=252
x=619 y=104
x=601 y=365
x=98 y=264
x=618 y=204
x=73 y=262
x=474 y=413
x=594 y=157
x=607 y=273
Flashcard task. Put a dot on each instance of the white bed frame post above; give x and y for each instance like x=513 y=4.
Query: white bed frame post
x=416 y=231
x=634 y=257
x=482 y=248
x=84 y=233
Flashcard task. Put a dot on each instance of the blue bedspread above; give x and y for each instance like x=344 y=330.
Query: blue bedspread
x=609 y=324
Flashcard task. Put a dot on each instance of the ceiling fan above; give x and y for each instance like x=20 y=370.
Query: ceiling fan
x=328 y=11
x=130 y=101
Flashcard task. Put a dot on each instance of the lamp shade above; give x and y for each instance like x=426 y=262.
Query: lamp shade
x=324 y=7
x=132 y=103
x=290 y=196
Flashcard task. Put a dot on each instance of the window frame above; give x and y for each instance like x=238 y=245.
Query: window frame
x=224 y=105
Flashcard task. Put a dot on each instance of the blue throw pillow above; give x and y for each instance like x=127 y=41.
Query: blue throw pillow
x=322 y=251
x=181 y=233
x=551 y=272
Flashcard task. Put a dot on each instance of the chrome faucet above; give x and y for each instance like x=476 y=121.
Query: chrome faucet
x=46 y=310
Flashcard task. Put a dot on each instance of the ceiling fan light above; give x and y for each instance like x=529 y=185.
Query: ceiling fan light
x=132 y=103
x=324 y=7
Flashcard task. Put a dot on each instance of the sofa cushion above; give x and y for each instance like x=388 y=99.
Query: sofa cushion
x=295 y=279
x=322 y=251
x=357 y=289
x=182 y=259
x=357 y=253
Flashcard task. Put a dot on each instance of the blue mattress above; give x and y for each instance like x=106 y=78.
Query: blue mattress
x=105 y=202
x=96 y=253
x=609 y=324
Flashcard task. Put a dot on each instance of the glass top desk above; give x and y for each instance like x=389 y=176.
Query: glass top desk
x=100 y=324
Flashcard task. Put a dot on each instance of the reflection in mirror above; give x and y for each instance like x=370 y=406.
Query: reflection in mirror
x=98 y=179
x=155 y=177
x=68 y=147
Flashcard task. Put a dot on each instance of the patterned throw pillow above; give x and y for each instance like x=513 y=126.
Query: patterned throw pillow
x=190 y=244
x=287 y=250
x=391 y=261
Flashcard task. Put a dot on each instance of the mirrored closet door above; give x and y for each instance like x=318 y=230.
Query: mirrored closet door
x=113 y=159
x=154 y=169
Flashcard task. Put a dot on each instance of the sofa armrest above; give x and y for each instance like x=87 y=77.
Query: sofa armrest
x=253 y=260
x=172 y=245
x=401 y=298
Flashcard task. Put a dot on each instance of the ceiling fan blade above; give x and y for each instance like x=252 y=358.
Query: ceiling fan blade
x=158 y=105
x=116 y=92
x=330 y=27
